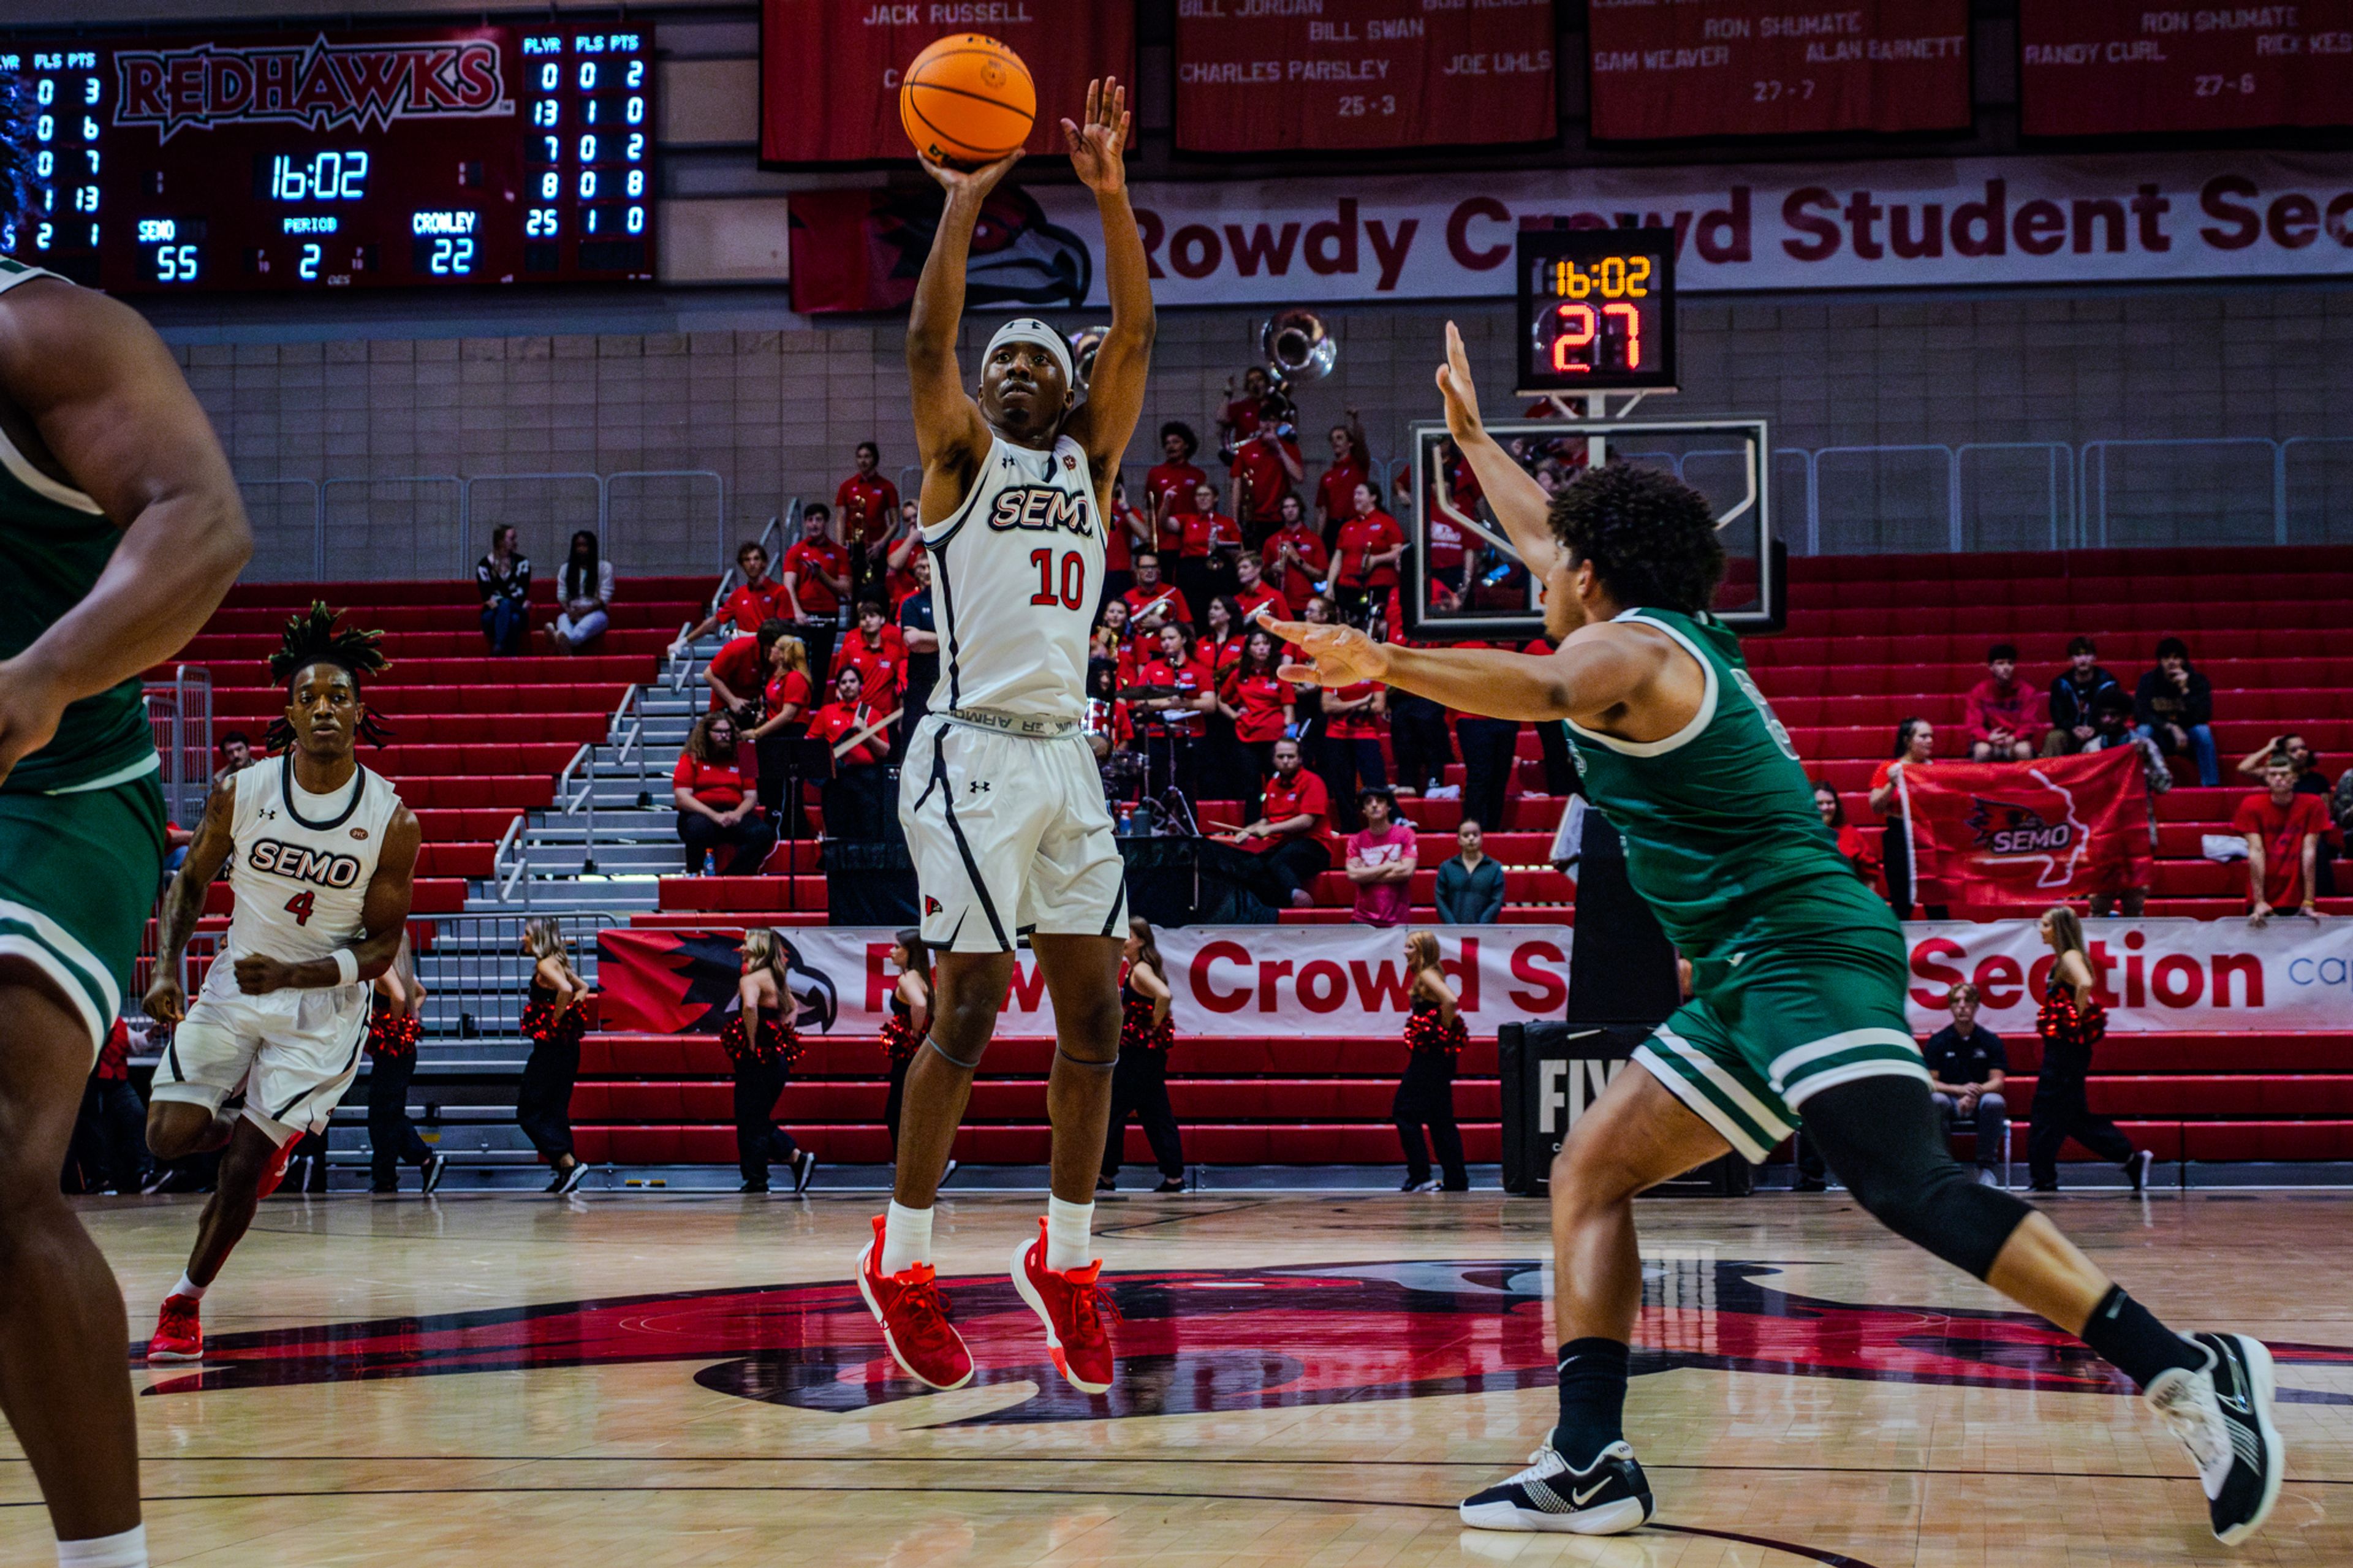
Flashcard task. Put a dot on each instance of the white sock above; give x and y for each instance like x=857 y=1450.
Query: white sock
x=128 y=1550
x=906 y=1239
x=1067 y=1245
x=190 y=1288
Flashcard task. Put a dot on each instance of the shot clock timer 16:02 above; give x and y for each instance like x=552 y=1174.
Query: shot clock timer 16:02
x=1597 y=310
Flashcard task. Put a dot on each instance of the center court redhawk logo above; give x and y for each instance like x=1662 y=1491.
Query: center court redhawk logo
x=319 y=85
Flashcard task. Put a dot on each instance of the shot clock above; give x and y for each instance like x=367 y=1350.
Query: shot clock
x=1597 y=310
x=431 y=156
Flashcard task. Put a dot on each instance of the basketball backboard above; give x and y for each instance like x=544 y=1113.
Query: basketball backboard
x=1464 y=581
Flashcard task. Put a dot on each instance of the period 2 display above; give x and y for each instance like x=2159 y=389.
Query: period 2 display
x=427 y=157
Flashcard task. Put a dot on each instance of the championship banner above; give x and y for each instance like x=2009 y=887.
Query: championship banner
x=2019 y=832
x=1332 y=982
x=1757 y=67
x=1354 y=75
x=2104 y=67
x=1947 y=223
x=2154 y=974
x=830 y=70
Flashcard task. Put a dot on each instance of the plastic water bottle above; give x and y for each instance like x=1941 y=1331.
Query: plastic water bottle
x=710 y=862
x=1127 y=822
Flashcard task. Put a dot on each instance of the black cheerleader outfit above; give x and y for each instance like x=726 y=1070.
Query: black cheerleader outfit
x=1139 y=1087
x=2069 y=1032
x=1425 y=1097
x=899 y=1044
x=762 y=1067
x=544 y=1102
x=392 y=1062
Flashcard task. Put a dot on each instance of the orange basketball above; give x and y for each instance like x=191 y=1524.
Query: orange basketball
x=967 y=99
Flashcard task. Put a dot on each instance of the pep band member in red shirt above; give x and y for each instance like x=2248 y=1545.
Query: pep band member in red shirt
x=1126 y=531
x=1371 y=544
x=1168 y=483
x=878 y=651
x=1252 y=593
x=1335 y=490
x=869 y=505
x=785 y=704
x=853 y=800
x=754 y=600
x=1257 y=702
x=1295 y=558
x=738 y=673
x=1152 y=600
x=1205 y=567
x=1265 y=468
x=2283 y=830
x=1291 y=826
x=715 y=810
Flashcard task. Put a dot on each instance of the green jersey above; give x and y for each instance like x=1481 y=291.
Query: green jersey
x=1719 y=819
x=54 y=542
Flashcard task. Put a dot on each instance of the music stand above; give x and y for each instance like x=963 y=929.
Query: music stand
x=806 y=762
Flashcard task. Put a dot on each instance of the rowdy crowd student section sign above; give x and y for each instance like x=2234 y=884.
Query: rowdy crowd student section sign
x=2098 y=68
x=1332 y=981
x=1762 y=68
x=829 y=70
x=1256 y=76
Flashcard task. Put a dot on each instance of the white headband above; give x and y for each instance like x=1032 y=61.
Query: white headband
x=1030 y=329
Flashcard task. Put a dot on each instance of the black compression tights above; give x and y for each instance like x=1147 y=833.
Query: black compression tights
x=1883 y=1137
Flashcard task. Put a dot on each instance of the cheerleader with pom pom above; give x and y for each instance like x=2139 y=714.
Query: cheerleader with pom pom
x=1434 y=1039
x=554 y=1018
x=393 y=1030
x=762 y=1043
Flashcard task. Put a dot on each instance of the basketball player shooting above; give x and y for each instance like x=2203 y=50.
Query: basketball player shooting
x=1798 y=973
x=1003 y=807
x=320 y=852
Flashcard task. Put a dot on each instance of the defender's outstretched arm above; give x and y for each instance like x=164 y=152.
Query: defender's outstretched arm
x=1103 y=424
x=1596 y=669
x=1520 y=503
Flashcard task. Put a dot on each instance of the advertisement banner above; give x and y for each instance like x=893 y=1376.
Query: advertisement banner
x=2155 y=975
x=830 y=73
x=1977 y=222
x=1354 y=75
x=2025 y=833
x=1335 y=982
x=1755 y=67
x=2101 y=67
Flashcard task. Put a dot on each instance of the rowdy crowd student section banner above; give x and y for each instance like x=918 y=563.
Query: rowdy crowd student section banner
x=2017 y=833
x=2097 y=67
x=1761 y=68
x=1340 y=75
x=829 y=70
x=1332 y=981
x=2154 y=974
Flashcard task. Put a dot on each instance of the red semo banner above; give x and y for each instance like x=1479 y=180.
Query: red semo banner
x=2022 y=833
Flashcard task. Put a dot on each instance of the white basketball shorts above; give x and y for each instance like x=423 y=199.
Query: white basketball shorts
x=1010 y=835
x=294 y=1053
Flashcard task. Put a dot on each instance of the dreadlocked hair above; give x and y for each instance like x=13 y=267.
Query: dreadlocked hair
x=313 y=637
x=1651 y=538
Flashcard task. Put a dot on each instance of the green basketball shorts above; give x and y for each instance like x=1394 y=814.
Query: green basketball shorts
x=78 y=874
x=1777 y=1015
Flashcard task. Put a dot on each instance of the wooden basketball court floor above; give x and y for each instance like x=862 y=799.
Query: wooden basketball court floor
x=1307 y=1379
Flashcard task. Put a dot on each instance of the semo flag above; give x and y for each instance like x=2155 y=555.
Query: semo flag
x=2027 y=833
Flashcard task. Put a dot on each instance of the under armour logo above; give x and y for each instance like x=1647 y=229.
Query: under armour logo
x=269 y=814
x=977 y=786
x=1011 y=464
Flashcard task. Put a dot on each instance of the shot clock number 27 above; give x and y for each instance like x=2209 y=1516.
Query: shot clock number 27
x=1597 y=310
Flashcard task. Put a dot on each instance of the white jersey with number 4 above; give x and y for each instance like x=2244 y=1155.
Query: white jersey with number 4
x=300 y=866
x=1016 y=573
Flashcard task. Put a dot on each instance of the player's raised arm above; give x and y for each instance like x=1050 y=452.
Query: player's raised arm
x=1115 y=389
x=1597 y=669
x=948 y=428
x=1520 y=503
x=112 y=407
x=183 y=904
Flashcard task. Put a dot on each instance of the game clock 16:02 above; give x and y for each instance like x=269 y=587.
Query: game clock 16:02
x=1597 y=310
x=430 y=157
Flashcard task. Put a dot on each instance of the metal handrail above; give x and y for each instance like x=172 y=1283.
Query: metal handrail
x=2094 y=458
x=504 y=876
x=681 y=659
x=1952 y=485
x=2061 y=460
x=632 y=710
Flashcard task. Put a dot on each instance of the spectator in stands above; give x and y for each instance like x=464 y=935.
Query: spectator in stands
x=1966 y=1065
x=1381 y=862
x=1258 y=702
x=1490 y=755
x=2301 y=758
x=554 y=1020
x=1108 y=642
x=1470 y=885
x=2073 y=693
x=878 y=651
x=1290 y=828
x=1178 y=670
x=737 y=672
x=869 y=505
x=1244 y=413
x=1915 y=747
x=1294 y=557
x=763 y=1044
x=1996 y=715
x=785 y=704
x=1151 y=602
x=2283 y=828
x=751 y=601
x=1169 y=483
x=715 y=810
x=1434 y=1037
x=1851 y=845
x=108 y=1153
x=1371 y=545
x=2072 y=1023
x=1336 y=492
x=919 y=631
x=1126 y=530
x=1205 y=563
x=817 y=570
x=236 y=755
x=860 y=739
x=1139 y=1083
x=394 y=1028
x=1348 y=744
x=906 y=549
x=1252 y=593
x=502 y=578
x=2340 y=810
x=2174 y=707
x=584 y=595
x=1266 y=465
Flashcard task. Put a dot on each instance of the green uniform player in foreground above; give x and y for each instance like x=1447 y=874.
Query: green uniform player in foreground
x=1798 y=981
x=120 y=531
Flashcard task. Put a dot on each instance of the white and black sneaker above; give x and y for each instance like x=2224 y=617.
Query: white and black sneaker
x=2224 y=1417
x=804 y=1170
x=2136 y=1169
x=1608 y=1497
x=433 y=1169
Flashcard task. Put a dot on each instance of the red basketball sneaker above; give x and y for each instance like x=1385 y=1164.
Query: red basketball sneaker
x=1076 y=1310
x=914 y=1318
x=178 y=1335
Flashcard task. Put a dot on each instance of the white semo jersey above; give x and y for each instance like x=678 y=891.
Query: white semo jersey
x=300 y=866
x=1016 y=572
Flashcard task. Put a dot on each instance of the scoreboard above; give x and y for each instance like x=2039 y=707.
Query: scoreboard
x=427 y=157
x=1597 y=310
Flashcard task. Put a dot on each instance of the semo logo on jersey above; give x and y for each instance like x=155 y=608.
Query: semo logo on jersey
x=1044 y=508
x=323 y=866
